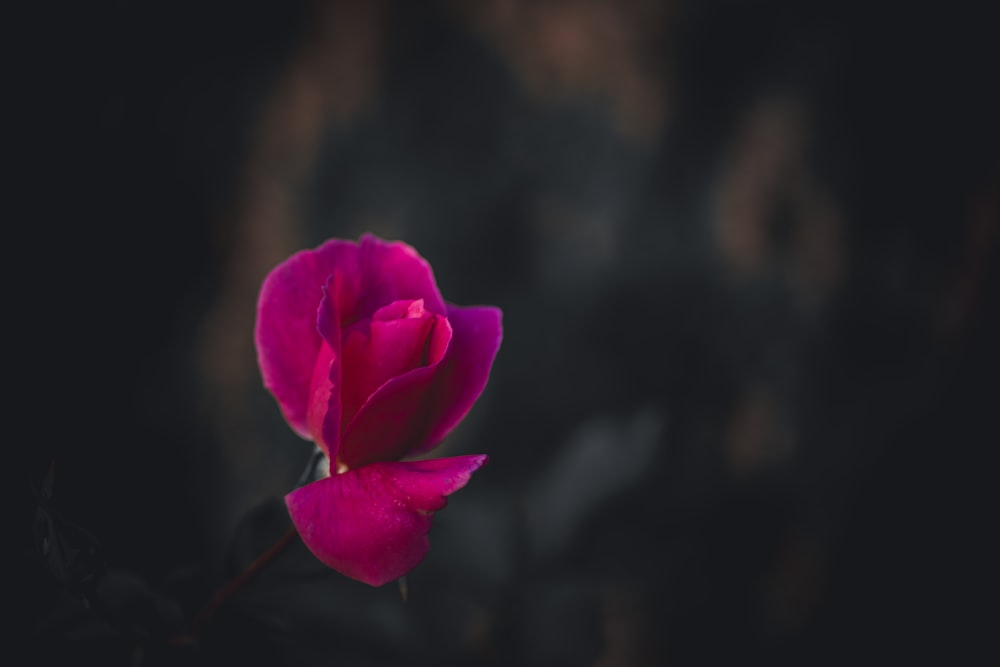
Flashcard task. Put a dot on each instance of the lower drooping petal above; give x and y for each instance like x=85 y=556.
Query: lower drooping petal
x=371 y=523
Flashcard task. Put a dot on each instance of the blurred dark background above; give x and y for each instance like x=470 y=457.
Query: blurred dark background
x=747 y=255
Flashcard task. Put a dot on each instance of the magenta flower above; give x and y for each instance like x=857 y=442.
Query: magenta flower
x=366 y=360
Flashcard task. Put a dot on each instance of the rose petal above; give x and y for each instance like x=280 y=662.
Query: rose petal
x=401 y=310
x=285 y=332
x=374 y=273
x=462 y=375
x=395 y=417
x=412 y=413
x=325 y=407
x=376 y=351
x=371 y=523
x=386 y=272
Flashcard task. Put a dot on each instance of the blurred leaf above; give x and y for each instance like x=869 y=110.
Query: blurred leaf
x=71 y=553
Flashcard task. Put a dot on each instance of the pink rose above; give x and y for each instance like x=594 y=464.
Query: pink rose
x=366 y=360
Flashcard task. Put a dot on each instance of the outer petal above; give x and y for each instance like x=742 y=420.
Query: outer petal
x=285 y=333
x=371 y=524
x=325 y=408
x=386 y=272
x=462 y=375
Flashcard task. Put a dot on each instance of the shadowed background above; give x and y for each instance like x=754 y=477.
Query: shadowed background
x=747 y=258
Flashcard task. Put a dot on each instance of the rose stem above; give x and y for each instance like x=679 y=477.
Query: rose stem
x=234 y=586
